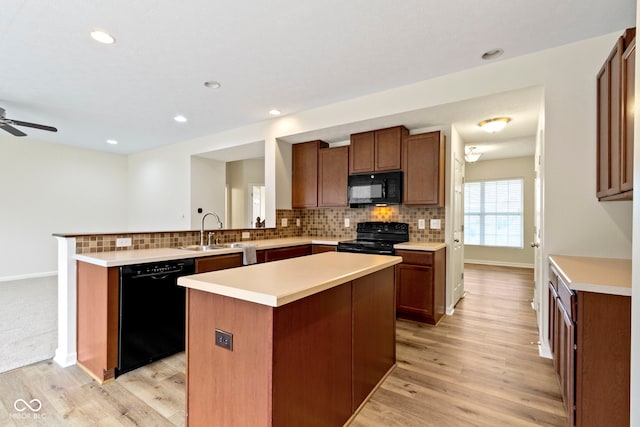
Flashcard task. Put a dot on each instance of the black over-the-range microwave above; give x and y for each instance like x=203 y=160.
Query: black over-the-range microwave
x=383 y=188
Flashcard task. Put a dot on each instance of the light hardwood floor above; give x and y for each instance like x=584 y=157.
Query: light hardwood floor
x=479 y=367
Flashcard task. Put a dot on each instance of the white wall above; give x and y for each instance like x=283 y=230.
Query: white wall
x=207 y=191
x=240 y=174
x=484 y=170
x=47 y=188
x=635 y=301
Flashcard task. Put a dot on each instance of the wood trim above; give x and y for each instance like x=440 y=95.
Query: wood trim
x=97 y=319
x=374 y=349
x=312 y=360
x=603 y=363
x=238 y=381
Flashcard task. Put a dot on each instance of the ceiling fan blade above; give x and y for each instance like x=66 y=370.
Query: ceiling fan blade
x=34 y=125
x=13 y=131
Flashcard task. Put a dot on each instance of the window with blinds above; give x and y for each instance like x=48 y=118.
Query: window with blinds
x=493 y=213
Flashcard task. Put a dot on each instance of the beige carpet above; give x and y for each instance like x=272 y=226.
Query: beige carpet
x=28 y=321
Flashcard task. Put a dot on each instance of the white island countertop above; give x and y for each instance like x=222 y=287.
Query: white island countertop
x=281 y=282
x=589 y=274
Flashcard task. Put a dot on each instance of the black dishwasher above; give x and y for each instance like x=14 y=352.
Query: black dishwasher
x=152 y=312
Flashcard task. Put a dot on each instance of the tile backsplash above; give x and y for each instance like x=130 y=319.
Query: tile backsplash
x=329 y=222
x=322 y=222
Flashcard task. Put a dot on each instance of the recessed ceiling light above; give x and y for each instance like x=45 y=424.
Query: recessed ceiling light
x=494 y=125
x=275 y=112
x=212 y=84
x=102 y=37
x=180 y=118
x=112 y=142
x=492 y=54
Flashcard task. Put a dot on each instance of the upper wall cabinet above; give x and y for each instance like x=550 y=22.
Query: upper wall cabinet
x=615 y=121
x=333 y=172
x=319 y=175
x=377 y=150
x=423 y=161
x=304 y=174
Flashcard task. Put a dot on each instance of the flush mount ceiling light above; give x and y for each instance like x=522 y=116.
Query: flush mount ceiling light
x=112 y=142
x=102 y=36
x=212 y=84
x=492 y=54
x=494 y=125
x=470 y=155
x=180 y=118
x=275 y=112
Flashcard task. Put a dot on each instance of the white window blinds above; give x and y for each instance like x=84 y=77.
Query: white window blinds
x=493 y=213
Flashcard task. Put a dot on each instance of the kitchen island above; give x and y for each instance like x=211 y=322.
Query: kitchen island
x=308 y=340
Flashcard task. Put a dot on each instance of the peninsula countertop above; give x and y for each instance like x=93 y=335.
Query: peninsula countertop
x=277 y=283
x=591 y=274
x=139 y=256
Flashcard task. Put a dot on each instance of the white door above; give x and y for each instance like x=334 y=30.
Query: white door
x=457 y=256
x=537 y=224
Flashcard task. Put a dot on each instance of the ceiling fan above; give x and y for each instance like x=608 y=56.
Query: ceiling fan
x=7 y=125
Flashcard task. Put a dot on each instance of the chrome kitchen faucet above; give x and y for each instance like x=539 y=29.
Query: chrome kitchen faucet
x=202 y=225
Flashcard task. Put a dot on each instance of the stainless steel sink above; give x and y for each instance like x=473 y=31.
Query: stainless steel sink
x=202 y=247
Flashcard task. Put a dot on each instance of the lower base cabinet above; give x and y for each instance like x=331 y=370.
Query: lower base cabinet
x=311 y=362
x=420 y=285
x=590 y=340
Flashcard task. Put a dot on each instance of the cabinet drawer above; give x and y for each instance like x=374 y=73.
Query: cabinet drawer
x=416 y=257
x=218 y=262
x=288 y=252
x=567 y=298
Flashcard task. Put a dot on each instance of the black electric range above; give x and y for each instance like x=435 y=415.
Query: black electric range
x=376 y=237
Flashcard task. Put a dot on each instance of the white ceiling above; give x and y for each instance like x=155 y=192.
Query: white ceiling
x=287 y=54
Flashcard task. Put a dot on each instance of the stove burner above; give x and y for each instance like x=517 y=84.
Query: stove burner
x=376 y=238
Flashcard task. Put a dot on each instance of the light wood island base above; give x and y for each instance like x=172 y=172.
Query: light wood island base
x=313 y=361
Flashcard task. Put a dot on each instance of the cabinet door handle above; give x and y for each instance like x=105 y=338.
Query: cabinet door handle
x=535 y=245
x=456 y=240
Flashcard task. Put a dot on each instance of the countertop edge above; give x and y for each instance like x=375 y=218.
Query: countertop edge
x=277 y=301
x=141 y=256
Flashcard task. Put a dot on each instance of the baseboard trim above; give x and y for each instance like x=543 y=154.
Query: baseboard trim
x=28 y=276
x=65 y=359
x=499 y=263
x=544 y=351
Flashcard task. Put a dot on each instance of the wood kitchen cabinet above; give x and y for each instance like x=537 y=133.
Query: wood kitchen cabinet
x=590 y=340
x=376 y=150
x=317 y=249
x=97 y=320
x=277 y=254
x=420 y=285
x=304 y=174
x=423 y=165
x=319 y=175
x=333 y=172
x=615 y=121
x=218 y=262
